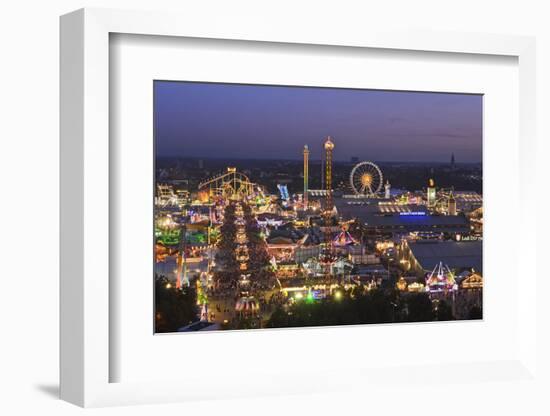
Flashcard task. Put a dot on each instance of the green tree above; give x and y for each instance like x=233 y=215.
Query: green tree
x=444 y=312
x=475 y=313
x=420 y=308
x=174 y=308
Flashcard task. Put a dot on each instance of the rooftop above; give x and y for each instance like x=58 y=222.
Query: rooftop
x=455 y=254
x=409 y=219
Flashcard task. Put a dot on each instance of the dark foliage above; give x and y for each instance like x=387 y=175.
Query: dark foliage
x=174 y=308
x=475 y=313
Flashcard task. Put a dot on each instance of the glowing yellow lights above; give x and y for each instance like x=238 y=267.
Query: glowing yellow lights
x=474 y=281
x=329 y=146
x=384 y=245
x=168 y=286
x=416 y=287
x=401 y=284
x=366 y=179
x=431 y=183
x=203 y=196
x=298 y=295
x=338 y=295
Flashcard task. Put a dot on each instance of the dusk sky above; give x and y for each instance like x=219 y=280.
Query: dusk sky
x=272 y=122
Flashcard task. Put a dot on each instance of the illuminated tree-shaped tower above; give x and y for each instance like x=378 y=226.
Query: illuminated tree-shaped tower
x=202 y=300
x=329 y=147
x=306 y=175
x=181 y=275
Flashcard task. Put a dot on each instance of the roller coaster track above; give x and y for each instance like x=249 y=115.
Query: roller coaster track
x=230 y=184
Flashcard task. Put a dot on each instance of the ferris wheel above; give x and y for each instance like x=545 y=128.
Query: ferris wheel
x=366 y=179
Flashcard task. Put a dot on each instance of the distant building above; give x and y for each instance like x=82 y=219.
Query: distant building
x=467 y=201
x=317 y=193
x=288 y=269
x=424 y=255
x=431 y=195
x=451 y=209
x=393 y=219
x=416 y=222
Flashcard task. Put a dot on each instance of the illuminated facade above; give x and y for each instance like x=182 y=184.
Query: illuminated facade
x=474 y=281
x=452 y=205
x=166 y=196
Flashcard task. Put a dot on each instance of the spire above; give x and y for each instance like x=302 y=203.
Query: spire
x=387 y=188
x=451 y=208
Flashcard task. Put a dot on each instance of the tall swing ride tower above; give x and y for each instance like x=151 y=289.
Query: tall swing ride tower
x=306 y=175
x=327 y=257
x=329 y=147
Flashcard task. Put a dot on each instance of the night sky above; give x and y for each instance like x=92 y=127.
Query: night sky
x=271 y=122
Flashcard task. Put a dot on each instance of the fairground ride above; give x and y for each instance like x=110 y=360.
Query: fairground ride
x=231 y=185
x=366 y=179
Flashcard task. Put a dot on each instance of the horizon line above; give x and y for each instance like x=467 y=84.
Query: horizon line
x=315 y=160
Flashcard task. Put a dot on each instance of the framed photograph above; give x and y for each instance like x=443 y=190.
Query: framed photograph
x=247 y=238
x=281 y=212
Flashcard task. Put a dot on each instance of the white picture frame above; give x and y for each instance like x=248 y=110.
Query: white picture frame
x=85 y=204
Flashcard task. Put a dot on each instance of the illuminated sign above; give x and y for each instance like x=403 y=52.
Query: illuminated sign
x=412 y=214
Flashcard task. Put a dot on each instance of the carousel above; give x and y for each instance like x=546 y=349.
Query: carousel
x=343 y=239
x=246 y=305
x=441 y=279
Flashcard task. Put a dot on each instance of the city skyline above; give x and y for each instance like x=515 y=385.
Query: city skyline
x=386 y=126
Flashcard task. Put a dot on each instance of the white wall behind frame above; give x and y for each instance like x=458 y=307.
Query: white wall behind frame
x=30 y=45
x=138 y=60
